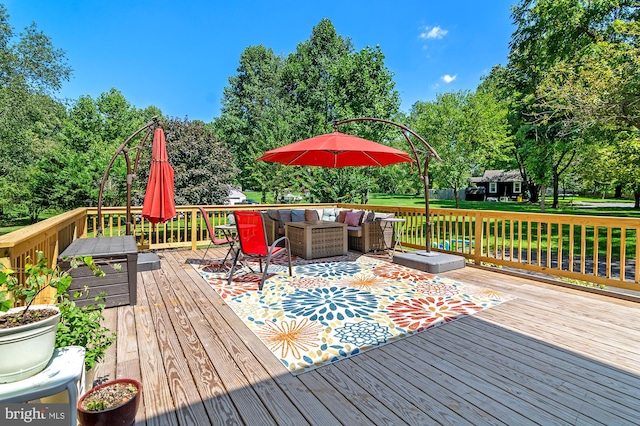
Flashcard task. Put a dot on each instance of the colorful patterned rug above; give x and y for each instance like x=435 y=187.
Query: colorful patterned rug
x=338 y=307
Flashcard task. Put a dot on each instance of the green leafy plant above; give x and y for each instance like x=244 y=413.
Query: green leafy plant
x=38 y=277
x=81 y=326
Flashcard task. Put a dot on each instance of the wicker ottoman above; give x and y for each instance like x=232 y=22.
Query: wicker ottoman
x=316 y=239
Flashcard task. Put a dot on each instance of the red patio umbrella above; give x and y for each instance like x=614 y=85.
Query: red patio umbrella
x=159 y=205
x=336 y=150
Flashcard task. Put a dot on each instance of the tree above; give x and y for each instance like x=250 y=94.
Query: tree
x=31 y=68
x=272 y=102
x=254 y=118
x=324 y=80
x=93 y=131
x=467 y=130
x=203 y=165
x=570 y=61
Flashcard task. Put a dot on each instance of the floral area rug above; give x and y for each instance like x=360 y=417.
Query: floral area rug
x=334 y=308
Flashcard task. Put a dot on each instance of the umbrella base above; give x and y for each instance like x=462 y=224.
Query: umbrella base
x=433 y=262
x=148 y=262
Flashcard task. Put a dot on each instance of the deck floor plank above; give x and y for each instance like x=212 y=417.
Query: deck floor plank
x=234 y=363
x=156 y=396
x=267 y=388
x=174 y=345
x=553 y=355
x=600 y=402
x=427 y=388
x=293 y=388
x=105 y=369
x=550 y=359
x=541 y=396
x=204 y=377
x=473 y=387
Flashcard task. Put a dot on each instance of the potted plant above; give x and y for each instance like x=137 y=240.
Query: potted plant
x=112 y=403
x=28 y=333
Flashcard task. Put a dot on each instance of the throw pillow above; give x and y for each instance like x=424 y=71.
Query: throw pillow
x=353 y=218
x=285 y=216
x=342 y=215
x=369 y=217
x=329 y=215
x=297 y=215
x=311 y=215
x=362 y=216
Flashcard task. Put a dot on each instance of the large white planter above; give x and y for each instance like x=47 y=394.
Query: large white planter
x=25 y=350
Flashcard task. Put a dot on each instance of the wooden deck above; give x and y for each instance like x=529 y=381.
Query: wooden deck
x=552 y=356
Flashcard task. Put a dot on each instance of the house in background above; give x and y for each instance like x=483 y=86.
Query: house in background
x=235 y=197
x=499 y=184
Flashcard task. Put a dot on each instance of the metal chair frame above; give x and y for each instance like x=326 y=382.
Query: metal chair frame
x=265 y=251
x=214 y=240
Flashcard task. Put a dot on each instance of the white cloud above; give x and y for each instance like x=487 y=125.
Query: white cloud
x=433 y=32
x=449 y=78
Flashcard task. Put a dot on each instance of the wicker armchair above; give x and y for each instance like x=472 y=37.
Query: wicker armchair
x=274 y=231
x=369 y=237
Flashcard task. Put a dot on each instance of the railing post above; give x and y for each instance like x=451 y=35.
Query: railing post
x=477 y=238
x=194 y=230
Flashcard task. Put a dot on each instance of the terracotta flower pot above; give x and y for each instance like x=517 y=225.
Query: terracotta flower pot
x=122 y=415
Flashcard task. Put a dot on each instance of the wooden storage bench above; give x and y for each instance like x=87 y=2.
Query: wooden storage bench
x=120 y=286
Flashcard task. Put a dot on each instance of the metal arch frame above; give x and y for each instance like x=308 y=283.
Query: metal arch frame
x=131 y=171
x=422 y=171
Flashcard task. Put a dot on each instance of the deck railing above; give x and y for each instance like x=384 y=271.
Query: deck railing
x=596 y=249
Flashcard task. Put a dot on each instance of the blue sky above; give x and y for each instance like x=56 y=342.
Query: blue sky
x=179 y=56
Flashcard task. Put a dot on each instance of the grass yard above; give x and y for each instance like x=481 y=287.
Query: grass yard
x=14 y=220
x=567 y=206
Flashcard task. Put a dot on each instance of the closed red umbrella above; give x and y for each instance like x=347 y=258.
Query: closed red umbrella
x=336 y=150
x=159 y=205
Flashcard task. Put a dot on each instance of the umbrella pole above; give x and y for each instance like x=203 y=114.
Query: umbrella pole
x=122 y=149
x=424 y=173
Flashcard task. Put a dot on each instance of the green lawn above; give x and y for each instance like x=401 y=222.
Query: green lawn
x=15 y=220
x=567 y=206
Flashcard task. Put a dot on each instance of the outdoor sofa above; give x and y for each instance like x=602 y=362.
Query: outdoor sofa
x=364 y=230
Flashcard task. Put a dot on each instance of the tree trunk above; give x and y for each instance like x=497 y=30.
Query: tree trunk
x=533 y=192
x=556 y=188
x=455 y=196
x=636 y=196
x=618 y=193
x=543 y=190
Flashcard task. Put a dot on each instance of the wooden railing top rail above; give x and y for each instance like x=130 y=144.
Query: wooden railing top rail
x=546 y=217
x=107 y=210
x=53 y=223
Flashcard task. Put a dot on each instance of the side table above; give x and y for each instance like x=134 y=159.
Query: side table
x=397 y=224
x=65 y=371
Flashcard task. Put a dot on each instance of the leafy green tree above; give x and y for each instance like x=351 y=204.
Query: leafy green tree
x=254 y=116
x=31 y=68
x=95 y=128
x=203 y=165
x=569 y=62
x=308 y=77
x=323 y=80
x=272 y=102
x=467 y=130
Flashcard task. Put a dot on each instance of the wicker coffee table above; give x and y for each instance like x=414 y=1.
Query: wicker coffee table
x=316 y=239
